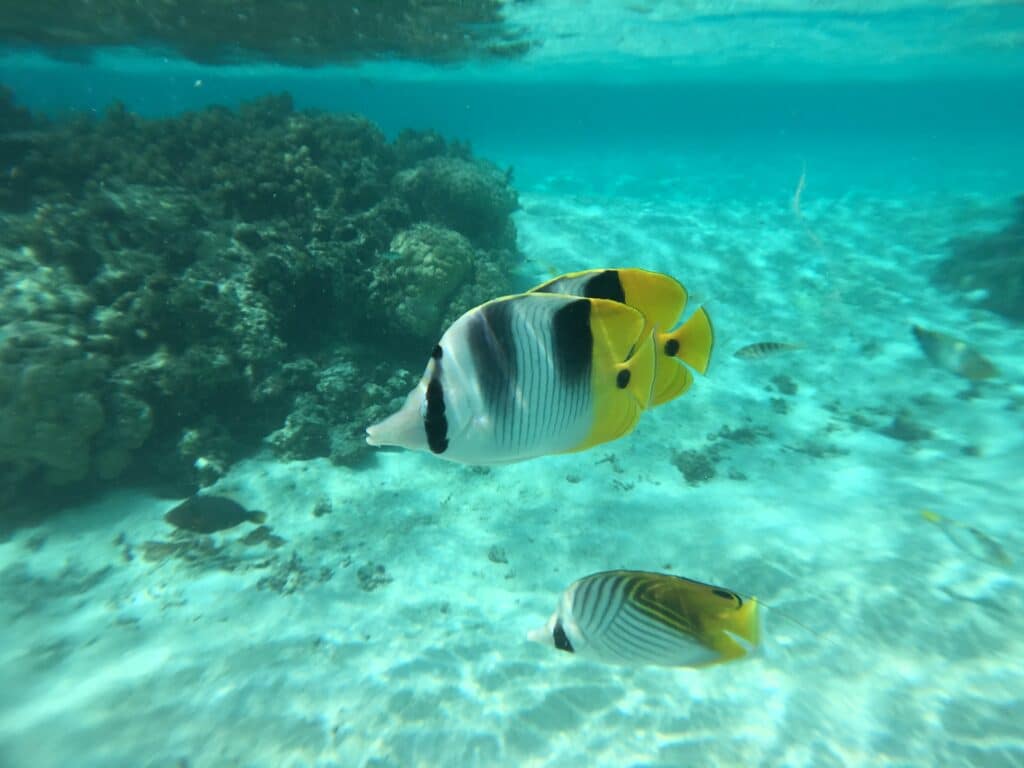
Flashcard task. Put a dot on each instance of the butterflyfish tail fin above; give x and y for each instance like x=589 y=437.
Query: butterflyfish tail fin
x=739 y=635
x=748 y=626
x=691 y=342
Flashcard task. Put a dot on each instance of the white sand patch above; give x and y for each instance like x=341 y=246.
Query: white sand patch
x=884 y=641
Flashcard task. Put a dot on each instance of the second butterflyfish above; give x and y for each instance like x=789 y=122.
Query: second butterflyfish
x=638 y=618
x=525 y=376
x=662 y=300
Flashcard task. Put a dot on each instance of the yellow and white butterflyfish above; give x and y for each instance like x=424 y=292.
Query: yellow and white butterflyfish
x=638 y=617
x=525 y=376
x=661 y=299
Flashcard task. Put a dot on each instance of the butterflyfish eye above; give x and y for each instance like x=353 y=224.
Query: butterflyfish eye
x=437 y=352
x=671 y=347
x=622 y=380
x=561 y=639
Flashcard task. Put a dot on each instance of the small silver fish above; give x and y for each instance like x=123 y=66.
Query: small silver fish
x=971 y=540
x=764 y=349
x=954 y=355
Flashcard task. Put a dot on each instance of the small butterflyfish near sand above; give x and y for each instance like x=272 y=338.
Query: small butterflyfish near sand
x=643 y=618
x=954 y=355
x=971 y=540
x=661 y=299
x=542 y=373
x=764 y=349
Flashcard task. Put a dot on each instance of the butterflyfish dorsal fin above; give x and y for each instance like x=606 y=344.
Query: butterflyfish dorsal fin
x=659 y=297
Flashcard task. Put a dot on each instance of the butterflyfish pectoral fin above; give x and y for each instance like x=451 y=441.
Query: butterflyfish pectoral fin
x=691 y=342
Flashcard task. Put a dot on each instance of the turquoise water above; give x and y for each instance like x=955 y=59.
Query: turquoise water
x=810 y=174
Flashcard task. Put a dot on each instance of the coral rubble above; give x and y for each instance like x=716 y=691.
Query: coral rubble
x=174 y=292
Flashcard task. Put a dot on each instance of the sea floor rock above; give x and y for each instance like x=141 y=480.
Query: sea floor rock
x=992 y=264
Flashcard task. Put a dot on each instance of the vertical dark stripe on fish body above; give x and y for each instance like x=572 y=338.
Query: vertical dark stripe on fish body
x=492 y=347
x=573 y=347
x=434 y=421
x=605 y=285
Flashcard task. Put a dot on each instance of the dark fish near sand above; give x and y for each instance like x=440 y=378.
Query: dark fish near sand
x=764 y=349
x=635 y=617
x=207 y=514
x=954 y=355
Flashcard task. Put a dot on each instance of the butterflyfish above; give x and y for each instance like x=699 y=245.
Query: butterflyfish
x=637 y=618
x=954 y=355
x=525 y=376
x=971 y=540
x=764 y=349
x=662 y=300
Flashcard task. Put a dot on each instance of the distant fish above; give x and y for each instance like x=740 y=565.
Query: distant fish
x=954 y=355
x=971 y=540
x=206 y=514
x=635 y=617
x=764 y=349
x=661 y=299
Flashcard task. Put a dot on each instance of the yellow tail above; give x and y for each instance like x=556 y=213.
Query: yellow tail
x=691 y=342
x=738 y=634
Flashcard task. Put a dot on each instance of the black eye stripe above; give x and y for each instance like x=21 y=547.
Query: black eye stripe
x=561 y=639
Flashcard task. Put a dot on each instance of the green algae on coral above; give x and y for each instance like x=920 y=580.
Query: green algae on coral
x=178 y=290
x=300 y=32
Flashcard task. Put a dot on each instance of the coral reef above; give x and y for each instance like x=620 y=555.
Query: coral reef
x=992 y=264
x=303 y=32
x=175 y=292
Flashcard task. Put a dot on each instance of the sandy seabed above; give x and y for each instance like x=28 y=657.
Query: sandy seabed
x=388 y=628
